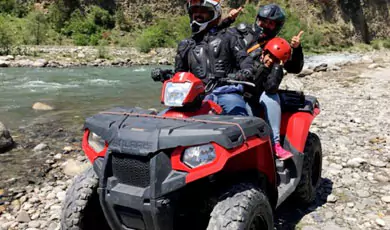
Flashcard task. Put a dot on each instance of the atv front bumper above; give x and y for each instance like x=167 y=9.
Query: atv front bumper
x=136 y=193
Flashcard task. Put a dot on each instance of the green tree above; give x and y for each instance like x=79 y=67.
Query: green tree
x=15 y=8
x=37 y=27
x=6 y=41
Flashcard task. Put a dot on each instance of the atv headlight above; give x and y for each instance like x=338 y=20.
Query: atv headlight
x=175 y=93
x=199 y=155
x=96 y=142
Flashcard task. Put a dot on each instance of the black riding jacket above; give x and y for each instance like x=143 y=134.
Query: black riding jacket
x=246 y=34
x=265 y=79
x=215 y=53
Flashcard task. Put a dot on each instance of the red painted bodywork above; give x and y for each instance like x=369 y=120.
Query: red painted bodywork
x=196 y=88
x=250 y=155
x=208 y=107
x=296 y=128
x=90 y=152
x=256 y=153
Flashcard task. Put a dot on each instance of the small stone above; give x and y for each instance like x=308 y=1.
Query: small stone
x=52 y=226
x=81 y=55
x=355 y=162
x=23 y=217
x=381 y=178
x=68 y=149
x=305 y=72
x=40 y=147
x=375 y=65
x=331 y=198
x=367 y=60
x=386 y=199
x=363 y=193
x=334 y=68
x=321 y=68
x=380 y=222
x=42 y=106
x=34 y=224
x=73 y=167
x=2 y=209
x=61 y=195
x=40 y=63
x=35 y=215
x=55 y=207
x=329 y=215
x=58 y=156
x=350 y=204
x=4 y=64
x=378 y=163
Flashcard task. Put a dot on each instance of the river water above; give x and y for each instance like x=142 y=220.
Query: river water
x=79 y=92
x=74 y=92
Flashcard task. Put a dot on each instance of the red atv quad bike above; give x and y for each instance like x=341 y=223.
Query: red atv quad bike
x=190 y=168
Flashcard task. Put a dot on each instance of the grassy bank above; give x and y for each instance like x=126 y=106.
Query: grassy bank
x=67 y=23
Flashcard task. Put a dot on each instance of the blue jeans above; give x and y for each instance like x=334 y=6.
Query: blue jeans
x=232 y=104
x=272 y=111
x=230 y=99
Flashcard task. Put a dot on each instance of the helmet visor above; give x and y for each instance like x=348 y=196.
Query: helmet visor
x=201 y=14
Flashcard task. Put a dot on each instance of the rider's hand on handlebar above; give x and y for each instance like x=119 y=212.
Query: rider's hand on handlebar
x=156 y=74
x=243 y=75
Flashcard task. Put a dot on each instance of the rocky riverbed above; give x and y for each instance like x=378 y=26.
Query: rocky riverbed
x=354 y=127
x=63 y=57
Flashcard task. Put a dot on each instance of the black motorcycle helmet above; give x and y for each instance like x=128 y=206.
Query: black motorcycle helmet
x=271 y=13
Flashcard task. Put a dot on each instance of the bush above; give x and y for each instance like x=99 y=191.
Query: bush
x=6 y=40
x=15 y=8
x=164 y=34
x=101 y=17
x=122 y=22
x=146 y=14
x=87 y=28
x=37 y=28
x=386 y=43
x=247 y=16
x=102 y=49
x=159 y=35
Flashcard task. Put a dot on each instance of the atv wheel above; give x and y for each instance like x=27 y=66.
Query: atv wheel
x=305 y=193
x=81 y=208
x=244 y=206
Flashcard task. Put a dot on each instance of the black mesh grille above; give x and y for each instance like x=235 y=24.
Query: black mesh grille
x=130 y=170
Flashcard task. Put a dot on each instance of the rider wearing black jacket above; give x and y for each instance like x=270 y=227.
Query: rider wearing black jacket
x=269 y=21
x=213 y=52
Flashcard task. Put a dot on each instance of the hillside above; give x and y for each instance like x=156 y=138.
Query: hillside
x=328 y=24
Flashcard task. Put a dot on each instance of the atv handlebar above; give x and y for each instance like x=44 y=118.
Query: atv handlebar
x=162 y=75
x=230 y=80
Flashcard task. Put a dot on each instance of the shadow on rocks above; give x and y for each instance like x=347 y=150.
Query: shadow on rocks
x=288 y=215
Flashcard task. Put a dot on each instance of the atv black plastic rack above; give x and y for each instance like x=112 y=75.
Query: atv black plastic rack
x=137 y=131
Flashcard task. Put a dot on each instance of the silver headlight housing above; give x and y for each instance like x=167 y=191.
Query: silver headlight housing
x=199 y=155
x=175 y=93
x=96 y=142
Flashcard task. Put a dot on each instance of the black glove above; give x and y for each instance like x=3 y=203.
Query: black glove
x=156 y=74
x=244 y=75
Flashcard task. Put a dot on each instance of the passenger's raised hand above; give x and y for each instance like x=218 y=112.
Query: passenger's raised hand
x=295 y=41
x=234 y=13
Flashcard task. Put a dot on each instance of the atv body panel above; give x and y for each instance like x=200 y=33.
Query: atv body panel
x=142 y=178
x=142 y=175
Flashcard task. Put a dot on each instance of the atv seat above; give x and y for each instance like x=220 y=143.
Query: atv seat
x=296 y=101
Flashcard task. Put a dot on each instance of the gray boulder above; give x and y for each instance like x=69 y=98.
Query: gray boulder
x=6 y=141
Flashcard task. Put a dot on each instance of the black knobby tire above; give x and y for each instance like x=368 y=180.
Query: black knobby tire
x=305 y=193
x=242 y=207
x=81 y=208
